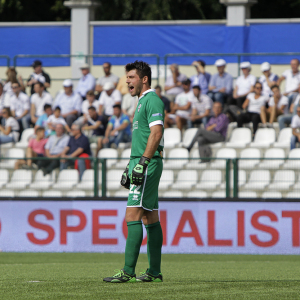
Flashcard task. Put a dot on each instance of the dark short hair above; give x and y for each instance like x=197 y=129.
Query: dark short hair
x=275 y=86
x=46 y=106
x=258 y=82
x=57 y=108
x=90 y=93
x=92 y=108
x=201 y=62
x=197 y=87
x=158 y=87
x=117 y=106
x=40 y=129
x=142 y=69
x=107 y=63
x=40 y=83
x=186 y=81
x=8 y=110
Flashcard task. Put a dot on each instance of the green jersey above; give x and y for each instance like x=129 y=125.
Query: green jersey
x=149 y=112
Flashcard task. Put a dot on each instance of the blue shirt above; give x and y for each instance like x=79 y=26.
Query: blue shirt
x=56 y=145
x=41 y=121
x=116 y=122
x=81 y=142
x=226 y=81
x=85 y=84
x=202 y=81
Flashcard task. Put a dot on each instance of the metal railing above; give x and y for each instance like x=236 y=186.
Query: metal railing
x=7 y=58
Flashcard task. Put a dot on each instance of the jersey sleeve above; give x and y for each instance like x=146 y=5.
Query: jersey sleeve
x=155 y=111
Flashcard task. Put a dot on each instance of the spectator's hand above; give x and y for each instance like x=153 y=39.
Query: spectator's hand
x=105 y=140
x=84 y=128
x=193 y=118
x=178 y=83
x=195 y=64
x=222 y=90
x=172 y=69
x=64 y=115
x=112 y=133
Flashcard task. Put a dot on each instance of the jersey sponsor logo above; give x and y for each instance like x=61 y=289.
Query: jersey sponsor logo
x=135 y=125
x=156 y=115
x=139 y=107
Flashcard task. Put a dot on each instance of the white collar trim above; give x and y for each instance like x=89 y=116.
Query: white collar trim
x=146 y=92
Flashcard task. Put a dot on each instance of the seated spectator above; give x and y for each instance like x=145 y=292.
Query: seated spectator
x=20 y=105
x=181 y=111
x=129 y=105
x=55 y=119
x=1 y=99
x=244 y=85
x=53 y=149
x=36 y=148
x=86 y=82
x=42 y=120
x=268 y=79
x=201 y=108
x=10 y=132
x=278 y=105
x=108 y=77
x=202 y=78
x=295 y=129
x=38 y=101
x=215 y=131
x=11 y=74
x=38 y=75
x=109 y=97
x=117 y=131
x=173 y=84
x=95 y=123
x=292 y=80
x=69 y=102
x=122 y=86
x=255 y=104
x=164 y=99
x=220 y=85
x=78 y=146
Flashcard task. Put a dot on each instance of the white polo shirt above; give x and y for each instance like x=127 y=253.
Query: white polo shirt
x=68 y=103
x=54 y=121
x=14 y=126
x=85 y=84
x=19 y=104
x=282 y=101
x=39 y=102
x=170 y=82
x=266 y=89
x=295 y=122
x=86 y=104
x=255 y=104
x=202 y=104
x=183 y=99
x=109 y=101
x=244 y=84
x=291 y=81
x=111 y=78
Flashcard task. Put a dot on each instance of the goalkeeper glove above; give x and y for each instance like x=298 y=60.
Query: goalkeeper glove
x=137 y=175
x=125 y=181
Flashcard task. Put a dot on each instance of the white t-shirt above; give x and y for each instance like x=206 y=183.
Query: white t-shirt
x=86 y=104
x=295 y=122
x=202 y=104
x=255 y=104
x=109 y=101
x=14 y=125
x=53 y=120
x=282 y=101
x=39 y=102
x=111 y=78
x=266 y=89
x=183 y=99
x=19 y=104
x=170 y=82
x=291 y=81
x=244 y=84
x=129 y=103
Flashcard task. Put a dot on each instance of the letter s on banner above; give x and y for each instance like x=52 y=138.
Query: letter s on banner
x=255 y=223
x=35 y=224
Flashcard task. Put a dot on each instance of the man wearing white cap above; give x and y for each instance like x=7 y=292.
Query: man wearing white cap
x=86 y=82
x=108 y=98
x=69 y=102
x=244 y=84
x=268 y=79
x=220 y=84
x=108 y=77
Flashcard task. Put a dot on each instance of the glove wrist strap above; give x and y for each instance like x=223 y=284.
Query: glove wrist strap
x=144 y=160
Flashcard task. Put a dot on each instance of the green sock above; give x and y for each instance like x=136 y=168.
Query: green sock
x=133 y=244
x=154 y=244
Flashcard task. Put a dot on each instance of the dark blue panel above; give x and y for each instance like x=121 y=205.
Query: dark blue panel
x=36 y=40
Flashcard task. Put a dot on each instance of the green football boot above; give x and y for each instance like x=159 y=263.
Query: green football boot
x=147 y=277
x=121 y=277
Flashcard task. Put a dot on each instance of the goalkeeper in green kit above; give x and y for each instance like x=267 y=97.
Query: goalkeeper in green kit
x=142 y=176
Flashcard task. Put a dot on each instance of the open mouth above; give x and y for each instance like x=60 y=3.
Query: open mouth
x=131 y=88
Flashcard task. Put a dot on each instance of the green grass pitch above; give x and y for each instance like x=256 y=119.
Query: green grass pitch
x=186 y=276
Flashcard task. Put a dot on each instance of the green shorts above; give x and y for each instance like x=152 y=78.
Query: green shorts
x=146 y=195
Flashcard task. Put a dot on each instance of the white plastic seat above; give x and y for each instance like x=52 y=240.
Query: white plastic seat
x=122 y=163
x=172 y=137
x=67 y=179
x=7 y=193
x=241 y=179
x=210 y=180
x=264 y=138
x=13 y=154
x=222 y=155
x=273 y=163
x=113 y=178
x=173 y=163
x=246 y=163
x=87 y=180
x=173 y=194
x=188 y=137
x=295 y=195
x=217 y=145
x=26 y=134
x=219 y=194
x=197 y=194
x=29 y=193
x=52 y=193
x=20 y=179
x=240 y=137
x=4 y=177
x=42 y=182
x=284 y=138
x=247 y=194
x=274 y=194
x=283 y=180
x=76 y=193
x=195 y=162
x=111 y=155
x=293 y=163
x=166 y=179
x=258 y=180
x=186 y=179
x=122 y=193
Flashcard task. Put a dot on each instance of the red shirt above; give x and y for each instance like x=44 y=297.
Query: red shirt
x=38 y=146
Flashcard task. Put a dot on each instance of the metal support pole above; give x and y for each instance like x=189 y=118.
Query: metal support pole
x=235 y=178
x=103 y=162
x=96 y=180
x=228 y=163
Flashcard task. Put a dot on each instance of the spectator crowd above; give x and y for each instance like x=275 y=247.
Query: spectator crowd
x=101 y=110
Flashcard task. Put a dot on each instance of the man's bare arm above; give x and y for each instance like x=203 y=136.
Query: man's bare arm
x=153 y=140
